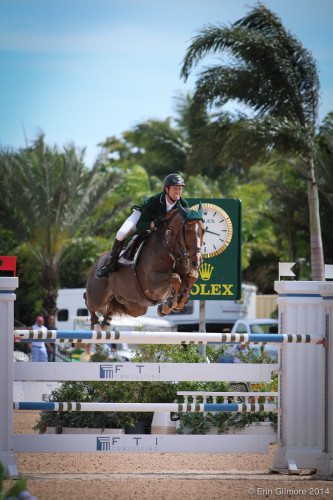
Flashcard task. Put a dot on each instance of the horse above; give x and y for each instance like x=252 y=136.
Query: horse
x=164 y=272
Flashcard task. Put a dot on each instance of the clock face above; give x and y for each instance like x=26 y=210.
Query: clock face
x=218 y=228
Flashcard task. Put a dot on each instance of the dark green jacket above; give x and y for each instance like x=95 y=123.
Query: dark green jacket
x=153 y=208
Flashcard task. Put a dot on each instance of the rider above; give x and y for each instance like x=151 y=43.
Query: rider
x=146 y=218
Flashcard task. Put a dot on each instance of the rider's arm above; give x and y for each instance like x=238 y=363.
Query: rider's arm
x=148 y=215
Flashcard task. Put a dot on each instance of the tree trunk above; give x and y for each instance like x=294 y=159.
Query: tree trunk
x=317 y=254
x=50 y=280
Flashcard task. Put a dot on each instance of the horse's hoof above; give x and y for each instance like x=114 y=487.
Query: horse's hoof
x=169 y=302
x=177 y=310
x=160 y=311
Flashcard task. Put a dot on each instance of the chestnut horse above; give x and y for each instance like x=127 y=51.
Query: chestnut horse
x=164 y=272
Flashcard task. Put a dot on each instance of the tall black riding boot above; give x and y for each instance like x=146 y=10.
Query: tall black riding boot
x=112 y=264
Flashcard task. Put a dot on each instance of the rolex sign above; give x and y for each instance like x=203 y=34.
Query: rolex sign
x=220 y=272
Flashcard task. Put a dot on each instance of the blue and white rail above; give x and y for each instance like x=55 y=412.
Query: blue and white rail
x=148 y=407
x=132 y=337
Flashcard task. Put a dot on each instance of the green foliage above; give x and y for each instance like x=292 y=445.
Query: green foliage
x=47 y=195
x=116 y=207
x=325 y=181
x=29 y=295
x=78 y=257
x=201 y=423
x=198 y=423
x=14 y=489
x=257 y=230
x=269 y=69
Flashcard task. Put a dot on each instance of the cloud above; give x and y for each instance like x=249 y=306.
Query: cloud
x=124 y=40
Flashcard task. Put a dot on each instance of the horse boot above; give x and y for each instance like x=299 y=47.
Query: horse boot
x=112 y=264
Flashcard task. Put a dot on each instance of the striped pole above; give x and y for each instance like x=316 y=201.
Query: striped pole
x=247 y=397
x=130 y=337
x=148 y=407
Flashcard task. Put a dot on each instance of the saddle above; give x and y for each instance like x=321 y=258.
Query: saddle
x=132 y=251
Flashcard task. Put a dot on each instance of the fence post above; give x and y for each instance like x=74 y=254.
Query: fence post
x=7 y=298
x=303 y=423
x=325 y=463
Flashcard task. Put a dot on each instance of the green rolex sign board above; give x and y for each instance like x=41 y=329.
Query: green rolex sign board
x=220 y=273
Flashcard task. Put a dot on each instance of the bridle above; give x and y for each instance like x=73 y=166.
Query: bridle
x=183 y=253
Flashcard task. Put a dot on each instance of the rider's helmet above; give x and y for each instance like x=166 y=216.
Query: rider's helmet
x=173 y=180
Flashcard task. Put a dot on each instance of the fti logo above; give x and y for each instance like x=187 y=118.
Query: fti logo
x=103 y=444
x=106 y=371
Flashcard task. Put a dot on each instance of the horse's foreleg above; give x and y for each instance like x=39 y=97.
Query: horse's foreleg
x=93 y=320
x=106 y=320
x=189 y=281
x=171 y=301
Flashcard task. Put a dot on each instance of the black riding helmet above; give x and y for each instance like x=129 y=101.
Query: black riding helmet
x=173 y=180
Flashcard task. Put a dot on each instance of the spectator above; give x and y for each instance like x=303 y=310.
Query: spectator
x=50 y=346
x=38 y=349
x=87 y=353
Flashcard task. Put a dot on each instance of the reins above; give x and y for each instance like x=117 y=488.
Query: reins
x=181 y=251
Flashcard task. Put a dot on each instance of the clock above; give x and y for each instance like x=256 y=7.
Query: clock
x=218 y=228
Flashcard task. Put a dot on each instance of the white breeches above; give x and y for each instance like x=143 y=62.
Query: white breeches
x=129 y=226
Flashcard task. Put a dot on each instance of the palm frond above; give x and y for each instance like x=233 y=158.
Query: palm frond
x=281 y=75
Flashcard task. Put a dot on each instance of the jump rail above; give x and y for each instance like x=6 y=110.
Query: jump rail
x=148 y=407
x=130 y=337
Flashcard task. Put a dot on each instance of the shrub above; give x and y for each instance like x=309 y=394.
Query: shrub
x=144 y=392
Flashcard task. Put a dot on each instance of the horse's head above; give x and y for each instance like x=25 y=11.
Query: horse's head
x=188 y=230
x=193 y=236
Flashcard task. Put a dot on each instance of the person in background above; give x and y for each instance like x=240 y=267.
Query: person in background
x=50 y=346
x=38 y=349
x=87 y=353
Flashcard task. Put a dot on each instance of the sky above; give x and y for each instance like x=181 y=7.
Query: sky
x=83 y=70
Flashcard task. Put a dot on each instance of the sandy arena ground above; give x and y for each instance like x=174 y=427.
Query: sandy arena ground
x=164 y=476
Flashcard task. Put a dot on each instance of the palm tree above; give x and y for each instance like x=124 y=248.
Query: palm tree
x=267 y=69
x=46 y=197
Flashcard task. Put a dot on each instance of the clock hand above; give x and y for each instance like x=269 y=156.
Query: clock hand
x=211 y=232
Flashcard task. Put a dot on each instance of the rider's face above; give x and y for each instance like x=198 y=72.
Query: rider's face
x=174 y=192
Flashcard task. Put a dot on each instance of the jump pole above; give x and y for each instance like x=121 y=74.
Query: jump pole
x=174 y=338
x=8 y=286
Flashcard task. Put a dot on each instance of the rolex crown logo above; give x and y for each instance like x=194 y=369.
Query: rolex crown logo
x=206 y=271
